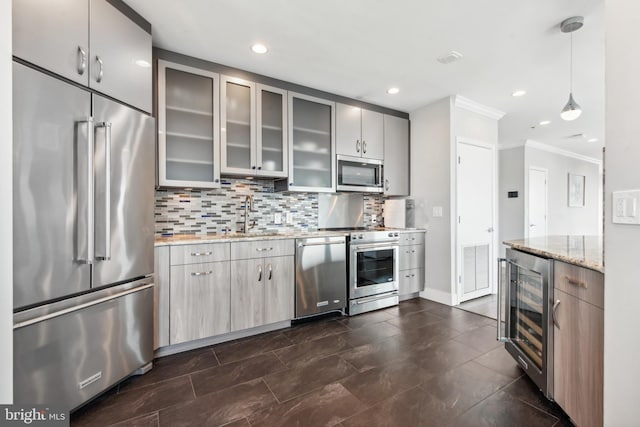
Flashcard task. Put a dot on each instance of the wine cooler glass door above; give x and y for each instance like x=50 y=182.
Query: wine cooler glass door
x=526 y=326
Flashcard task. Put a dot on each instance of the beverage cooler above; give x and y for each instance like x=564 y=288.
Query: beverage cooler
x=525 y=297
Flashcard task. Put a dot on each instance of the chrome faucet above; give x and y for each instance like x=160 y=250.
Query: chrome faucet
x=248 y=207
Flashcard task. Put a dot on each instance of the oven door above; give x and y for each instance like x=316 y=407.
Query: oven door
x=356 y=174
x=373 y=269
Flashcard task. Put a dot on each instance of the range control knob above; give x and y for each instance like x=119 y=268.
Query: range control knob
x=361 y=237
x=390 y=234
x=395 y=234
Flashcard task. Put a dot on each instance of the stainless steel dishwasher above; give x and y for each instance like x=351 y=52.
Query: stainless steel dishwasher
x=321 y=275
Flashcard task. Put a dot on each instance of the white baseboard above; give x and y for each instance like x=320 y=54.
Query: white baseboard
x=438 y=296
x=409 y=296
x=192 y=345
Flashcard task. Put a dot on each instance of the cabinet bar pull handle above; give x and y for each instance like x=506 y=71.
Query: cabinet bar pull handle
x=204 y=273
x=553 y=313
x=82 y=60
x=270 y=271
x=357 y=145
x=364 y=147
x=263 y=249
x=260 y=273
x=101 y=71
x=201 y=253
x=386 y=184
x=575 y=282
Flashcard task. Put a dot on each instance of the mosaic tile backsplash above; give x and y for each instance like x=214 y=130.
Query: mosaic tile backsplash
x=201 y=212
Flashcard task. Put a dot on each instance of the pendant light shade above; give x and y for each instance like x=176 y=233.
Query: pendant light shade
x=572 y=109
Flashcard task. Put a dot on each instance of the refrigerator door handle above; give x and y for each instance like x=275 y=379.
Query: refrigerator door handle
x=85 y=194
x=105 y=228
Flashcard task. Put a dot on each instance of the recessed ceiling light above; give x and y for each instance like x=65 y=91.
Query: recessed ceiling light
x=393 y=90
x=545 y=122
x=519 y=93
x=259 y=48
x=449 y=57
x=592 y=140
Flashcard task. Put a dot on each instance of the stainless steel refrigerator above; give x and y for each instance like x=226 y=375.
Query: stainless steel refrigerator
x=83 y=240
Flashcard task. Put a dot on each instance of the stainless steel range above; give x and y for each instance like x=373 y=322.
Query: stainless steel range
x=373 y=270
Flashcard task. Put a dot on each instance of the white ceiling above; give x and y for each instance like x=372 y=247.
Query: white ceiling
x=359 y=48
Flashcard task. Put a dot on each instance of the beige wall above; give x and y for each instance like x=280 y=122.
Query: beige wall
x=622 y=242
x=430 y=180
x=6 y=243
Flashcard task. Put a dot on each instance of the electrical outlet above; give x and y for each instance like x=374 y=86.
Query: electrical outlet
x=277 y=218
x=288 y=217
x=374 y=218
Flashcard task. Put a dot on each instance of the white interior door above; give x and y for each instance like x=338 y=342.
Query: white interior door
x=476 y=201
x=537 y=219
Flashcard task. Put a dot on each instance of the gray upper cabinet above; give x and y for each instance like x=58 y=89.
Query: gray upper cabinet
x=253 y=130
x=359 y=132
x=55 y=35
x=120 y=56
x=60 y=45
x=311 y=145
x=188 y=127
x=396 y=156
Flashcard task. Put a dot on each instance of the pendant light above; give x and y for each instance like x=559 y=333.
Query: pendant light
x=572 y=110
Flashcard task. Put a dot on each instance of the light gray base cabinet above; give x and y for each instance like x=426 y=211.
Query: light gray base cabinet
x=211 y=289
x=199 y=301
x=412 y=262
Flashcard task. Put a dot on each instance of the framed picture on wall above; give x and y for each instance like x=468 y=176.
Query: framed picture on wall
x=576 y=191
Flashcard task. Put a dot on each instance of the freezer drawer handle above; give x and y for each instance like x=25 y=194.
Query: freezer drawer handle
x=204 y=273
x=201 y=253
x=80 y=306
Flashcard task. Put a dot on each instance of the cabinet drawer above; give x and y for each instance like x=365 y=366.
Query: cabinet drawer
x=583 y=283
x=411 y=281
x=411 y=257
x=262 y=248
x=196 y=254
x=412 y=238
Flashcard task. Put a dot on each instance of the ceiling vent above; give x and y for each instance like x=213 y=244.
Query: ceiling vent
x=450 y=57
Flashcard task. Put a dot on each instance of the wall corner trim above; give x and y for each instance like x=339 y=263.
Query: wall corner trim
x=476 y=107
x=551 y=149
x=438 y=296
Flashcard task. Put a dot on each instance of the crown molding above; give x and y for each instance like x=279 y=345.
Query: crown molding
x=551 y=149
x=510 y=145
x=473 y=106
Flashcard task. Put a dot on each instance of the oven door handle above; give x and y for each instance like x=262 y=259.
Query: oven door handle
x=387 y=245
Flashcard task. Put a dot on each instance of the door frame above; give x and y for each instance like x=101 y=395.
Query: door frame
x=527 y=219
x=456 y=290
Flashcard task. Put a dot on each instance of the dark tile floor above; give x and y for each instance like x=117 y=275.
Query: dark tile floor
x=417 y=364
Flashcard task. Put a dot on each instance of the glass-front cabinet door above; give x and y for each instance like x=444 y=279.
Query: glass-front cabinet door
x=188 y=127
x=312 y=144
x=238 y=118
x=271 y=139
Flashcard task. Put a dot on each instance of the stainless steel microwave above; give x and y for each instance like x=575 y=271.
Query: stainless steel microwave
x=357 y=174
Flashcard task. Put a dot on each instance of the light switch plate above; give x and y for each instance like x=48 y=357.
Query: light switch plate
x=626 y=207
x=277 y=218
x=437 y=211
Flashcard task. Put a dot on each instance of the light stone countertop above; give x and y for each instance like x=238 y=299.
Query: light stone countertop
x=584 y=251
x=191 y=239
